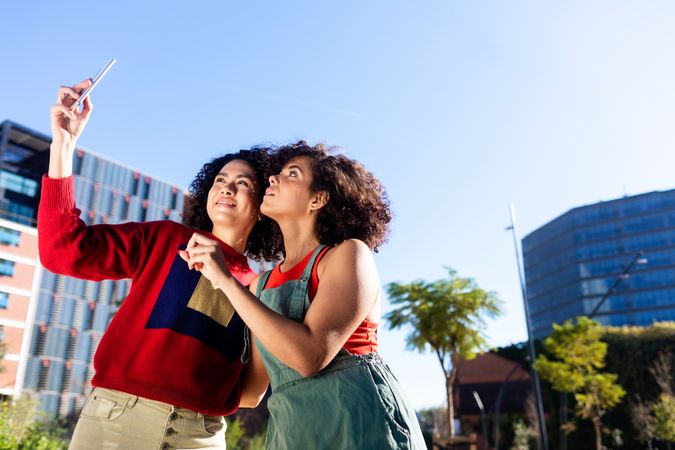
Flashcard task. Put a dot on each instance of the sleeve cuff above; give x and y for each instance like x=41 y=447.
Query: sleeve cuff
x=58 y=193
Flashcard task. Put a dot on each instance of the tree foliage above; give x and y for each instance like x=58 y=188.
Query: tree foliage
x=664 y=418
x=239 y=437
x=642 y=420
x=631 y=354
x=446 y=316
x=522 y=434
x=20 y=429
x=234 y=432
x=579 y=356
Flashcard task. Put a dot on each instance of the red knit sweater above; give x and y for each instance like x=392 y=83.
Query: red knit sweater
x=174 y=339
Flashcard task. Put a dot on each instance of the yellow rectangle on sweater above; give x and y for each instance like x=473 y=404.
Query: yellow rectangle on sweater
x=211 y=302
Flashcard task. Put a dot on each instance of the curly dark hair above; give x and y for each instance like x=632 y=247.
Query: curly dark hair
x=357 y=208
x=264 y=242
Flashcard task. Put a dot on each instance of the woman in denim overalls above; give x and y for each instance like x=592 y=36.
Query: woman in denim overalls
x=323 y=396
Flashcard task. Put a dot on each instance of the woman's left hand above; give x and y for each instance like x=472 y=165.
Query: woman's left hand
x=206 y=256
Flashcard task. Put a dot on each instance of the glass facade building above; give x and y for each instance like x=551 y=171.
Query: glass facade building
x=20 y=275
x=572 y=262
x=72 y=314
x=24 y=157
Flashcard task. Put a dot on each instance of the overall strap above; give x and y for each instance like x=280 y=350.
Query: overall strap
x=300 y=299
x=262 y=282
x=307 y=273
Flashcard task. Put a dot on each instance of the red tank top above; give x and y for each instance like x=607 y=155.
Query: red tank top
x=363 y=340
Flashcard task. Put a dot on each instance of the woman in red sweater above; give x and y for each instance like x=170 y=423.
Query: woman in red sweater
x=316 y=321
x=168 y=366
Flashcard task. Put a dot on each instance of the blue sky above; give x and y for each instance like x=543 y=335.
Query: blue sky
x=458 y=107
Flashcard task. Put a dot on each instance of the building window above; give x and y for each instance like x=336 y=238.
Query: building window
x=134 y=187
x=16 y=155
x=174 y=198
x=10 y=237
x=17 y=183
x=77 y=162
x=43 y=378
x=144 y=211
x=89 y=325
x=146 y=188
x=20 y=213
x=41 y=340
x=6 y=268
x=4 y=301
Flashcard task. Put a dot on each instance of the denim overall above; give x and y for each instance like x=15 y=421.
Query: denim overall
x=353 y=403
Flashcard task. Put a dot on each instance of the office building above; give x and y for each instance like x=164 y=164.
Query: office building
x=572 y=263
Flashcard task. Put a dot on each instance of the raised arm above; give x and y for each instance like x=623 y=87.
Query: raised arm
x=348 y=289
x=67 y=246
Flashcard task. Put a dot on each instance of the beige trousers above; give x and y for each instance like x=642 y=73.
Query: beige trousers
x=115 y=420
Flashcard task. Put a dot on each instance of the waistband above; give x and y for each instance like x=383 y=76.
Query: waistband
x=345 y=359
x=131 y=400
x=288 y=377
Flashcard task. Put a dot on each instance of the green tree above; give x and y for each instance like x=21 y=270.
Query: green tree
x=664 y=418
x=447 y=316
x=580 y=355
x=521 y=435
x=20 y=428
x=643 y=421
x=234 y=433
x=44 y=436
x=257 y=442
x=664 y=408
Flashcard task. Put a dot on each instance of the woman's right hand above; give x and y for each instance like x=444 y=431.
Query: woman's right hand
x=67 y=125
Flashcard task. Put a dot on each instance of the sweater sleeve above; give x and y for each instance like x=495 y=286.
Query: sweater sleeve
x=68 y=246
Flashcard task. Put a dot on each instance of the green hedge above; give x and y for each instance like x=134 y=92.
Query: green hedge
x=631 y=351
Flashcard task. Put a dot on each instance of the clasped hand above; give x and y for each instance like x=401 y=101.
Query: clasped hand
x=205 y=255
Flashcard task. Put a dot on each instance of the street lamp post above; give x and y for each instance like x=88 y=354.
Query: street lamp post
x=637 y=259
x=543 y=438
x=483 y=420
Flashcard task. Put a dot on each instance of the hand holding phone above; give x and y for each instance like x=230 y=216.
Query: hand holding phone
x=76 y=106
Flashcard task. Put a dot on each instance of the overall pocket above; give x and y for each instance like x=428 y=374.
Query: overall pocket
x=388 y=396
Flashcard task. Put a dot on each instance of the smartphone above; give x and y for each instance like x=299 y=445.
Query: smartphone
x=95 y=81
